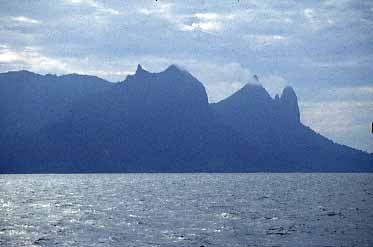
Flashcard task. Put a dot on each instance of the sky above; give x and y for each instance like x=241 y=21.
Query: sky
x=323 y=49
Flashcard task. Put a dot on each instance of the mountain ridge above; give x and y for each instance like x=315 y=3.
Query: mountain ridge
x=161 y=122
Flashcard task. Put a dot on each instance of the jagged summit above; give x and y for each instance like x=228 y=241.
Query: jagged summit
x=252 y=92
x=288 y=92
x=254 y=81
x=173 y=69
x=139 y=69
x=165 y=90
x=253 y=86
x=289 y=103
x=177 y=70
x=140 y=72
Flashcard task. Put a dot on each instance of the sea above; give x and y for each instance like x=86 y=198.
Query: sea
x=202 y=209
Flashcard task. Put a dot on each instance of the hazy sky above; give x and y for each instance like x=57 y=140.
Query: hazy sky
x=324 y=49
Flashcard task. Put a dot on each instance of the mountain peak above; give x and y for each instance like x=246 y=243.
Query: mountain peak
x=256 y=91
x=288 y=91
x=175 y=68
x=289 y=102
x=254 y=86
x=139 y=69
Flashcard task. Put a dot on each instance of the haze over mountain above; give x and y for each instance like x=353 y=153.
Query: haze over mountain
x=157 y=122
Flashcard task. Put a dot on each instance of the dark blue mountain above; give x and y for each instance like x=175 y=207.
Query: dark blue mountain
x=156 y=122
x=274 y=126
x=29 y=101
x=149 y=122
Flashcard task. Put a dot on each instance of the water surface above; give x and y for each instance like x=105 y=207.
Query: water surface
x=186 y=210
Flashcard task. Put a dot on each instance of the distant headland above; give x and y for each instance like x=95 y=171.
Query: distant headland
x=157 y=122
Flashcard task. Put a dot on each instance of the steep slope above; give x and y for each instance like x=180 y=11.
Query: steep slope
x=285 y=144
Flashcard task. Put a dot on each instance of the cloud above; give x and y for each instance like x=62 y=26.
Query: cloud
x=30 y=58
x=93 y=4
x=203 y=26
x=207 y=16
x=261 y=41
x=318 y=20
x=8 y=56
x=206 y=22
x=161 y=10
x=27 y=20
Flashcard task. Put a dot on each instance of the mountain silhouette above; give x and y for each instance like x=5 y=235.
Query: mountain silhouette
x=157 y=122
x=274 y=126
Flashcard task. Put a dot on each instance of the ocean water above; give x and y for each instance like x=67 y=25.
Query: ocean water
x=186 y=210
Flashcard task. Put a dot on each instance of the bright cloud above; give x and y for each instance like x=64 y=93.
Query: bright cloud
x=31 y=58
x=26 y=20
x=203 y=26
x=207 y=16
x=94 y=4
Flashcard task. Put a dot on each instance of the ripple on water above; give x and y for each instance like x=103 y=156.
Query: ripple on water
x=186 y=210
